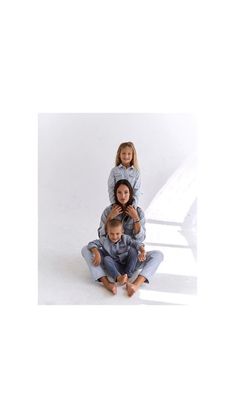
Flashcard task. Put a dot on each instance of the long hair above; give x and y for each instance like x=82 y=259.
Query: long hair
x=134 y=160
x=126 y=183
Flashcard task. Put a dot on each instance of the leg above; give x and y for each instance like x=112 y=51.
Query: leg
x=150 y=265
x=122 y=279
x=96 y=271
x=111 y=266
x=113 y=269
x=131 y=261
x=112 y=287
x=132 y=287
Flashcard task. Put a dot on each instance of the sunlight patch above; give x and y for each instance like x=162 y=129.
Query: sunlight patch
x=165 y=297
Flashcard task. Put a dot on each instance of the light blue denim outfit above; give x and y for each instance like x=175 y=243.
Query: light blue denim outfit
x=131 y=174
x=119 y=257
x=153 y=258
x=127 y=222
x=118 y=250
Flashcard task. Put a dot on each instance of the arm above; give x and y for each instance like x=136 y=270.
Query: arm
x=138 y=222
x=103 y=220
x=141 y=235
x=96 y=256
x=142 y=254
x=111 y=184
x=139 y=246
x=132 y=212
x=93 y=247
x=136 y=189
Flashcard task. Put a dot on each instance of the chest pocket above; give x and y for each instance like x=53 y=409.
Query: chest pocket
x=131 y=178
x=118 y=176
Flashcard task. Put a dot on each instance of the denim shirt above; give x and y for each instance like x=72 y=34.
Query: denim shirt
x=128 y=224
x=122 y=173
x=118 y=250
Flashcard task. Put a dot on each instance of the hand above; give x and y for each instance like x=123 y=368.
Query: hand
x=142 y=256
x=116 y=210
x=96 y=257
x=132 y=212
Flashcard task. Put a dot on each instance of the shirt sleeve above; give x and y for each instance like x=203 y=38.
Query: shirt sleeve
x=136 y=189
x=140 y=237
x=133 y=242
x=111 y=184
x=94 y=244
x=103 y=220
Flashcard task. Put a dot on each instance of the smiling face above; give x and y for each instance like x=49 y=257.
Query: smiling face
x=123 y=194
x=126 y=156
x=115 y=233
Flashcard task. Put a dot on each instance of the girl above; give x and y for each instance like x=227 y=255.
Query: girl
x=126 y=167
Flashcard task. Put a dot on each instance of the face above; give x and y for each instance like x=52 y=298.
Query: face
x=115 y=233
x=123 y=194
x=126 y=155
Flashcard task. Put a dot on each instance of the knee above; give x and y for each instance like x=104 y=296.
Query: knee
x=133 y=252
x=157 y=255
x=160 y=255
x=85 y=252
x=107 y=259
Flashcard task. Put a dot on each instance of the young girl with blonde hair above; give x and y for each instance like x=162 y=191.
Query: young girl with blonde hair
x=126 y=167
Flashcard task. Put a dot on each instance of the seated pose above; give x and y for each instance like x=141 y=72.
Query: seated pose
x=133 y=221
x=118 y=252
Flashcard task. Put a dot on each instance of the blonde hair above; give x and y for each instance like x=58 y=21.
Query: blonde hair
x=134 y=161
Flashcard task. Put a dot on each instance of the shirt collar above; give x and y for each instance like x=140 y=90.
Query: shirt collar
x=131 y=166
x=114 y=243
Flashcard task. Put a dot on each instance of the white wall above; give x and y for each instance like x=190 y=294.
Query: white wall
x=77 y=151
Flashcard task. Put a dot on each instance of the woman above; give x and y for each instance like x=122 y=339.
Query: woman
x=134 y=225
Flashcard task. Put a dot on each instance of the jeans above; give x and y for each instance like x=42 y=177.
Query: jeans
x=115 y=268
x=148 y=267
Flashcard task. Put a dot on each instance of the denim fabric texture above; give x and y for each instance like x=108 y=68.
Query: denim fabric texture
x=147 y=267
x=116 y=268
x=128 y=224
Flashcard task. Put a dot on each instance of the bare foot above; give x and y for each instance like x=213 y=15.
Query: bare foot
x=122 y=279
x=112 y=287
x=131 y=288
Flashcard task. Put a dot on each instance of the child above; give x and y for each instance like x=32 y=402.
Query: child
x=118 y=252
x=126 y=167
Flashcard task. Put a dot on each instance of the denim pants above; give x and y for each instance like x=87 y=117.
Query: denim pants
x=148 y=267
x=116 y=268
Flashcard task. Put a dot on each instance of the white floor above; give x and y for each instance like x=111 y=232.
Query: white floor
x=171 y=227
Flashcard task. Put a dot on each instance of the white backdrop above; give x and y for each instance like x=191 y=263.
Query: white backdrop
x=76 y=153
